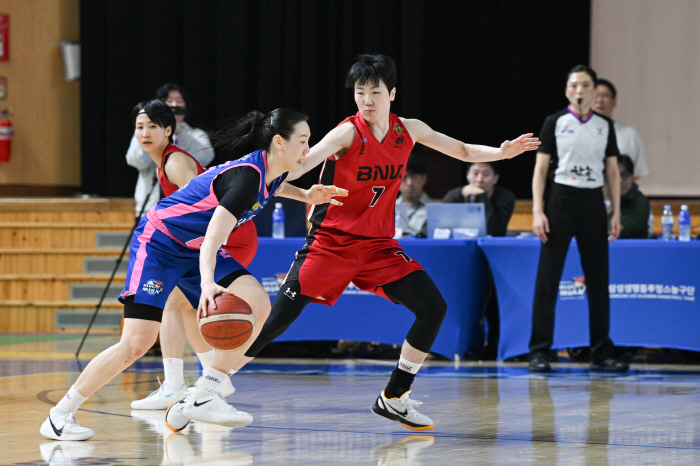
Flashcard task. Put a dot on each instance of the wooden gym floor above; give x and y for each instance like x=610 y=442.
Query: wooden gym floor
x=316 y=412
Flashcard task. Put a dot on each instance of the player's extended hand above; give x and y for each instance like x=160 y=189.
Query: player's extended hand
x=510 y=149
x=209 y=292
x=321 y=194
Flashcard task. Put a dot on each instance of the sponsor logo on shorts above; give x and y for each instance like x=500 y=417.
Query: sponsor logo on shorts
x=290 y=294
x=153 y=287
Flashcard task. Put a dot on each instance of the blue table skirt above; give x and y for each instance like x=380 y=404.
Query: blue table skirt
x=457 y=266
x=652 y=288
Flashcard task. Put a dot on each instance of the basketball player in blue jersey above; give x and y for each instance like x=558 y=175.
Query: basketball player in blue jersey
x=178 y=243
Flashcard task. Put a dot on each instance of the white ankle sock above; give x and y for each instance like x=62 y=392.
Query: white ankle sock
x=71 y=402
x=211 y=379
x=205 y=359
x=174 y=377
x=408 y=366
x=231 y=372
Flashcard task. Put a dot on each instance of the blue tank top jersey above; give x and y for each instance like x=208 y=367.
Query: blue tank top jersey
x=185 y=215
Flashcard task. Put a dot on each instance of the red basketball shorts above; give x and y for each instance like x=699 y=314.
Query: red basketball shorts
x=332 y=259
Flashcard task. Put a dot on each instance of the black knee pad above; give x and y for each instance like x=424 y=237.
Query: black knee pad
x=286 y=308
x=418 y=293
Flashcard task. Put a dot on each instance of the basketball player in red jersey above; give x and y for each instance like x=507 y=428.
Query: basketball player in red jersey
x=367 y=154
x=154 y=123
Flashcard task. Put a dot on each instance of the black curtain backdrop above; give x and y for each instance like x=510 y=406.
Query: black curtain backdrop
x=480 y=71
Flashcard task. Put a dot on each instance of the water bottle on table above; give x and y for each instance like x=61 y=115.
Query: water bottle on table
x=667 y=223
x=278 y=221
x=684 y=224
x=650 y=225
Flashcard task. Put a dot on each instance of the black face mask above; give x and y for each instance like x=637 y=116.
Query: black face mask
x=179 y=110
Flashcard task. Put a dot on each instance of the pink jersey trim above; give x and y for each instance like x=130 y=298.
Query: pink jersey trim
x=141 y=255
x=578 y=117
x=262 y=182
x=160 y=226
x=210 y=202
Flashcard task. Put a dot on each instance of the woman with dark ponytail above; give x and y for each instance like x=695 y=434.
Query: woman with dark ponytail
x=155 y=123
x=179 y=244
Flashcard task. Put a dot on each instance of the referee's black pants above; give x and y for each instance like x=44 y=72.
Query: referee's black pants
x=581 y=213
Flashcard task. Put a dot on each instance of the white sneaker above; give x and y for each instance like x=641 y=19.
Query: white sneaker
x=204 y=406
x=227 y=388
x=402 y=410
x=161 y=398
x=61 y=425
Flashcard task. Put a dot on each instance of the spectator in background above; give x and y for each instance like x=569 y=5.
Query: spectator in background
x=628 y=140
x=191 y=140
x=412 y=215
x=499 y=202
x=634 y=206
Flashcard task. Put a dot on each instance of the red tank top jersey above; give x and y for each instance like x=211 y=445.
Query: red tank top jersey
x=371 y=171
x=167 y=187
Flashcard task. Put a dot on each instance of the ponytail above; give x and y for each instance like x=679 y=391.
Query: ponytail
x=258 y=129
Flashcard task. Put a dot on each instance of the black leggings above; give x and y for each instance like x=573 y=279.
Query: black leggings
x=580 y=213
x=416 y=291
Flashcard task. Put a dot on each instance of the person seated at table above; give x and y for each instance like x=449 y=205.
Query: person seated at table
x=411 y=213
x=634 y=206
x=499 y=202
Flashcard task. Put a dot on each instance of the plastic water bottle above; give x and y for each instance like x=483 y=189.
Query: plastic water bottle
x=278 y=221
x=667 y=223
x=650 y=225
x=684 y=224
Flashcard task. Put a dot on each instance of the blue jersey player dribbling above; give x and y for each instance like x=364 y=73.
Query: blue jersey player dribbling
x=179 y=244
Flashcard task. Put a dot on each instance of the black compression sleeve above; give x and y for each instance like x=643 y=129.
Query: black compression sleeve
x=237 y=189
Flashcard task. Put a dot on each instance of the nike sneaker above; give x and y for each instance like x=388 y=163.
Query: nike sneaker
x=204 y=406
x=62 y=425
x=402 y=410
x=161 y=398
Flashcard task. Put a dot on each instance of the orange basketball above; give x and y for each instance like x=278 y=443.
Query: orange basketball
x=230 y=325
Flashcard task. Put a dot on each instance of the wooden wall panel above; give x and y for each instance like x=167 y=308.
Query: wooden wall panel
x=69 y=210
x=47 y=287
x=46 y=235
x=45 y=108
x=40 y=261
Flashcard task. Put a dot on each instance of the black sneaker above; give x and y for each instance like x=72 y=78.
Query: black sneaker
x=610 y=365
x=539 y=363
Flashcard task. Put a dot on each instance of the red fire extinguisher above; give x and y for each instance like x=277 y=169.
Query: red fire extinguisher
x=6 y=133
